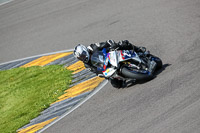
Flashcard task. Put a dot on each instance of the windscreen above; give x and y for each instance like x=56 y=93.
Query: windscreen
x=97 y=59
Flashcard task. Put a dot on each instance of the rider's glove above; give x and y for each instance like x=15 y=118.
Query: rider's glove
x=142 y=49
x=112 y=44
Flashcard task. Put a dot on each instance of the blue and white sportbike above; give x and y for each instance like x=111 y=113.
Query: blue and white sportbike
x=126 y=64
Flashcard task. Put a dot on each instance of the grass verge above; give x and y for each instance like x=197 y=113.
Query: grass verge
x=25 y=92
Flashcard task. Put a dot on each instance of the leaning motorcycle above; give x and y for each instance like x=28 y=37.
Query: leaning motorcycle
x=126 y=64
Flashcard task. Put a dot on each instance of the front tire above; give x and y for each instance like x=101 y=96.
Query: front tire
x=128 y=73
x=158 y=61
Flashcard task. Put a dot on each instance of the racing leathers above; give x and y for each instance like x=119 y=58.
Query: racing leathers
x=110 y=44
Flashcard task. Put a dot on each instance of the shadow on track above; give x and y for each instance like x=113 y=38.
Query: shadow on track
x=133 y=82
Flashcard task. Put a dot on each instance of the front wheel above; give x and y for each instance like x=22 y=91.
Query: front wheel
x=158 y=61
x=129 y=73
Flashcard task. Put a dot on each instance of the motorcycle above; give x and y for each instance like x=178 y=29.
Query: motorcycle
x=126 y=64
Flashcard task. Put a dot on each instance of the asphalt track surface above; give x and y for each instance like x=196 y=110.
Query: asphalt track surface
x=170 y=29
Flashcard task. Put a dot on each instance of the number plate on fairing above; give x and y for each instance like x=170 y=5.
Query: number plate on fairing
x=127 y=54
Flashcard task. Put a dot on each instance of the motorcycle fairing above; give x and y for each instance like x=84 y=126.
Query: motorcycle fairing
x=114 y=57
x=102 y=59
x=128 y=54
x=109 y=72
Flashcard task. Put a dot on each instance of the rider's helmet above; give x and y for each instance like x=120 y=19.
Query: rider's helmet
x=81 y=53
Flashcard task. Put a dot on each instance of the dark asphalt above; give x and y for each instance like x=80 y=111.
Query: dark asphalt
x=170 y=29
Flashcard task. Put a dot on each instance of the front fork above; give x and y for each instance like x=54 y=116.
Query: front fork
x=152 y=66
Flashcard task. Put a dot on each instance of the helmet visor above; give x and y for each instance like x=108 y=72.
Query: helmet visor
x=83 y=56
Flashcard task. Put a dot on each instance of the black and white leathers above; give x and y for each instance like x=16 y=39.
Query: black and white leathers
x=110 y=44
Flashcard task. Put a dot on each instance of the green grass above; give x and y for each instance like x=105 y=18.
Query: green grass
x=25 y=92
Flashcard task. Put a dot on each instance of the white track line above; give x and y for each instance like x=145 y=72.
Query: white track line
x=5 y=2
x=76 y=106
x=69 y=50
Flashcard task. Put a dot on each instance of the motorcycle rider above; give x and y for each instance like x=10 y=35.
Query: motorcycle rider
x=84 y=54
